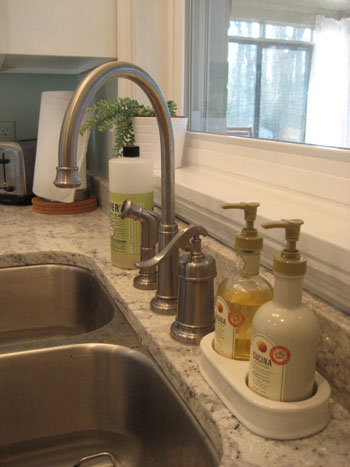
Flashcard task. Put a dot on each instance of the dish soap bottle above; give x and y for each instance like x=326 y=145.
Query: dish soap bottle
x=131 y=177
x=239 y=297
x=285 y=332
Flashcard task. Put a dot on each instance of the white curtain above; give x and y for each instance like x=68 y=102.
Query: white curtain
x=328 y=108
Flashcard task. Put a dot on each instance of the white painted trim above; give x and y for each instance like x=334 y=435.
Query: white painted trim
x=221 y=169
x=310 y=170
x=126 y=42
x=176 y=55
x=171 y=39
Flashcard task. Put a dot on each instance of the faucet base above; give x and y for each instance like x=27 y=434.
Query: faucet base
x=190 y=335
x=164 y=305
x=146 y=281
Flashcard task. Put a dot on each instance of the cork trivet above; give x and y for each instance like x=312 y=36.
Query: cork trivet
x=42 y=206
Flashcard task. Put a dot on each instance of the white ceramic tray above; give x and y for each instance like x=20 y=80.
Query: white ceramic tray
x=271 y=419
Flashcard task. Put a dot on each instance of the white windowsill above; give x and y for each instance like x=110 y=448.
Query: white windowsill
x=289 y=181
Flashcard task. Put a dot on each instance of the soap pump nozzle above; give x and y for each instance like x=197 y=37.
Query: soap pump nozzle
x=248 y=239
x=290 y=262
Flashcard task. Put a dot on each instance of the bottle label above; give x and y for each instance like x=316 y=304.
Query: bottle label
x=232 y=329
x=126 y=233
x=267 y=367
x=224 y=334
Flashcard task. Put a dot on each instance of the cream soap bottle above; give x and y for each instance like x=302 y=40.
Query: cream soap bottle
x=285 y=332
x=239 y=297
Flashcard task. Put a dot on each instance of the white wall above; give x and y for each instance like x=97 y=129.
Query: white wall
x=51 y=27
x=150 y=34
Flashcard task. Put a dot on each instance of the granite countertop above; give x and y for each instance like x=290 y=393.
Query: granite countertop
x=83 y=240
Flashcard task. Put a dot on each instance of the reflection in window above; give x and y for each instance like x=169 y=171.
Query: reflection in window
x=283 y=75
x=268 y=75
x=241 y=85
x=244 y=29
x=274 y=31
x=284 y=79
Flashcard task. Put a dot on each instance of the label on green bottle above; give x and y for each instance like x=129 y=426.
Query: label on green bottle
x=126 y=233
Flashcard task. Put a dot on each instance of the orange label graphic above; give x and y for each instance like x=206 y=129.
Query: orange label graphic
x=262 y=346
x=236 y=318
x=280 y=355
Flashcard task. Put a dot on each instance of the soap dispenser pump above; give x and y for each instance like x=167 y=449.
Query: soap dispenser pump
x=196 y=272
x=285 y=333
x=239 y=296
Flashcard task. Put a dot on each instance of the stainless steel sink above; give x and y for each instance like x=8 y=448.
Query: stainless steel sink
x=61 y=404
x=50 y=301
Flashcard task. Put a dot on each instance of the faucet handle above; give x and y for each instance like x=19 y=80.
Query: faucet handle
x=181 y=240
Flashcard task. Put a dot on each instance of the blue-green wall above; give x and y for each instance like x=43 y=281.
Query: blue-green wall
x=20 y=96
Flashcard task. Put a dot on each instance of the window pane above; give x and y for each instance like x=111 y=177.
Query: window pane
x=273 y=31
x=241 y=85
x=244 y=29
x=283 y=94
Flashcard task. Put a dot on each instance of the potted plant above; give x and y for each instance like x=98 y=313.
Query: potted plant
x=131 y=125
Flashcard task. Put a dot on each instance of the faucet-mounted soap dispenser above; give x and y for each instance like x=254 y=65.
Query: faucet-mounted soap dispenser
x=196 y=272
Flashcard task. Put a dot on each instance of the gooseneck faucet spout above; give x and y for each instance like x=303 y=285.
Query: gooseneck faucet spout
x=67 y=171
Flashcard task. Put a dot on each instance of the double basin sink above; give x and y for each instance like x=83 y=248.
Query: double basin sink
x=77 y=387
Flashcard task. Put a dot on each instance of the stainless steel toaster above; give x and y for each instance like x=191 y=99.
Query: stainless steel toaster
x=17 y=161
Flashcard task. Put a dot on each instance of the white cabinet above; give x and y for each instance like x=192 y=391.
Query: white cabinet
x=65 y=36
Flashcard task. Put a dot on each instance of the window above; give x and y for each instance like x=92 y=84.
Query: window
x=270 y=70
x=289 y=180
x=268 y=76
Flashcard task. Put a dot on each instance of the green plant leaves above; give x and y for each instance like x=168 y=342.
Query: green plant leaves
x=120 y=113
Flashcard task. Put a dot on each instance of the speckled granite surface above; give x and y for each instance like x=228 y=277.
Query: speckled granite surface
x=83 y=240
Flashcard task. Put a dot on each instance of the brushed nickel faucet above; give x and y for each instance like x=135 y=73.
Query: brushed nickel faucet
x=165 y=301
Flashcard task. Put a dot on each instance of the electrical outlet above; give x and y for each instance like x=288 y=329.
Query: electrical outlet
x=7 y=131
